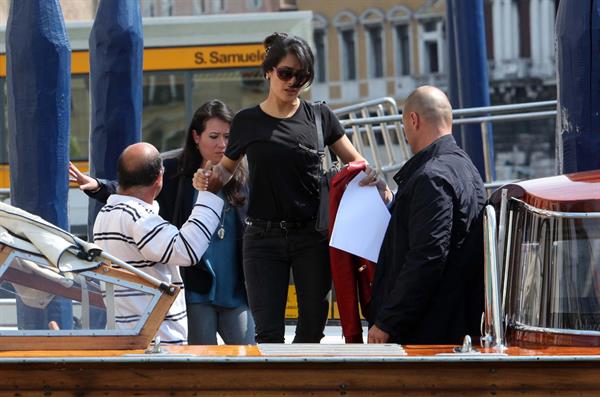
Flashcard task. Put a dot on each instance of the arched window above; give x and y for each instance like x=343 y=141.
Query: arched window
x=199 y=7
x=372 y=20
x=400 y=17
x=166 y=8
x=148 y=8
x=345 y=22
x=320 y=39
x=432 y=37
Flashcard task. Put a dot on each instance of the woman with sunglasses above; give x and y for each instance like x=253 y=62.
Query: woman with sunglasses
x=215 y=295
x=279 y=139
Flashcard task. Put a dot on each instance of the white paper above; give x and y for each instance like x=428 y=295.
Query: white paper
x=361 y=221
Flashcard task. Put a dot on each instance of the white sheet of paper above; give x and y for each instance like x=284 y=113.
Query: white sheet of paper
x=361 y=221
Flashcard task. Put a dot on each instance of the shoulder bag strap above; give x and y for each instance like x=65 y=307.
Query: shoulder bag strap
x=319 y=124
x=320 y=139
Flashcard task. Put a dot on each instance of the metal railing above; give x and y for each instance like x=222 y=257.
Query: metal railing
x=493 y=328
x=395 y=148
x=365 y=122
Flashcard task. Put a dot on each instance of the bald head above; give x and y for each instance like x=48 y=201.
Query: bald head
x=427 y=116
x=431 y=104
x=139 y=165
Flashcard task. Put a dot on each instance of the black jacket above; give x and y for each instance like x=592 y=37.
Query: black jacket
x=428 y=286
x=176 y=204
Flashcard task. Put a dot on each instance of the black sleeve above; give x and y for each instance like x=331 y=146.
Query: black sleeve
x=429 y=229
x=332 y=129
x=235 y=147
x=107 y=187
x=167 y=198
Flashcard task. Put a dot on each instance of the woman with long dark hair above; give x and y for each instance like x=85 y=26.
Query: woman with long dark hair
x=215 y=293
x=279 y=139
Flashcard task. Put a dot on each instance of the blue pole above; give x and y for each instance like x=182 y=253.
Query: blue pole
x=39 y=101
x=452 y=78
x=472 y=88
x=116 y=61
x=578 y=83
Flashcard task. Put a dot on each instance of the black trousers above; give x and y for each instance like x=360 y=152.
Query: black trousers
x=269 y=253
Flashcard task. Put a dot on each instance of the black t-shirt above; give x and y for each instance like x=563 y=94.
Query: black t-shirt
x=282 y=159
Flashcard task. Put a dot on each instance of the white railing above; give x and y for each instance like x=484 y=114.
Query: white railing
x=375 y=128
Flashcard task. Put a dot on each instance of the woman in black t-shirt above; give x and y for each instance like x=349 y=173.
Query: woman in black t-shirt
x=279 y=139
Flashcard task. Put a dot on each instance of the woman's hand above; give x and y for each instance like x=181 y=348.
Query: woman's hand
x=85 y=182
x=202 y=177
x=372 y=179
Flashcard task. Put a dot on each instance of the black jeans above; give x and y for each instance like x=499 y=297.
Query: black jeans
x=269 y=253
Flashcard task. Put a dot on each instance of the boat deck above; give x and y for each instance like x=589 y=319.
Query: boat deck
x=248 y=371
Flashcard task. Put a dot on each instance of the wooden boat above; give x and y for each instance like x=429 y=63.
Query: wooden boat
x=547 y=262
x=541 y=262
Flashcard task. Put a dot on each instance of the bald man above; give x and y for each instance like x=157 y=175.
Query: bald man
x=129 y=227
x=428 y=286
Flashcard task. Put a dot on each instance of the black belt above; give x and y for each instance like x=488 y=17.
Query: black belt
x=283 y=225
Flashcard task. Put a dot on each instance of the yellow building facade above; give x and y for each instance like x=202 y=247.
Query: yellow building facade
x=373 y=48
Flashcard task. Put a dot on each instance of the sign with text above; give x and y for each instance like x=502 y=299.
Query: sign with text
x=180 y=58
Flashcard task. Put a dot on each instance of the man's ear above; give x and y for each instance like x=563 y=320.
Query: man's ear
x=159 y=178
x=415 y=119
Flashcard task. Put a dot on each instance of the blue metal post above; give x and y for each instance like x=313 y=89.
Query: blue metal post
x=39 y=100
x=116 y=61
x=578 y=81
x=472 y=83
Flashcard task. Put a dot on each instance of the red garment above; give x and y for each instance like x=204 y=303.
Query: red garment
x=352 y=276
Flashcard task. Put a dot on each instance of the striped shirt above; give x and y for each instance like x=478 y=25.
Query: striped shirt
x=132 y=230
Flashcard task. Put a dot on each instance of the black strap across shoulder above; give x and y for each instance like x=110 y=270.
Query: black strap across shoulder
x=319 y=125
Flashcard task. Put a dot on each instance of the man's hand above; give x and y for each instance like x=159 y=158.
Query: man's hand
x=377 y=335
x=84 y=181
x=208 y=178
x=373 y=180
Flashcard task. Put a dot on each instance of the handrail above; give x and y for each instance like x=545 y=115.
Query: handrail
x=362 y=105
x=472 y=120
x=493 y=333
x=356 y=126
x=503 y=108
x=557 y=214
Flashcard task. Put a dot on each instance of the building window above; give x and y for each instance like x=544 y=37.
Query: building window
x=375 y=57
x=400 y=17
x=372 y=20
x=348 y=55
x=345 y=22
x=402 y=50
x=148 y=8
x=432 y=46
x=321 y=69
x=254 y=4
x=199 y=7
x=218 y=6
x=320 y=38
x=166 y=8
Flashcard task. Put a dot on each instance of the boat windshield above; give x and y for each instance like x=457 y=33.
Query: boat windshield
x=554 y=262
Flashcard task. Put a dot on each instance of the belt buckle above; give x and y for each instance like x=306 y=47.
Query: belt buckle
x=283 y=225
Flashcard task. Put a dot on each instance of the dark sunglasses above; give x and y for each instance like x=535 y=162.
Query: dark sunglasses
x=285 y=74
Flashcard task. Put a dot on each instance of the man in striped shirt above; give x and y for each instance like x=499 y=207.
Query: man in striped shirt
x=129 y=227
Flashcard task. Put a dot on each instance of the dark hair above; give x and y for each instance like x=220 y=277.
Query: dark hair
x=190 y=158
x=139 y=173
x=279 y=45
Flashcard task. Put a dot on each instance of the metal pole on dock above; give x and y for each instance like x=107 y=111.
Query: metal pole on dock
x=471 y=88
x=116 y=64
x=578 y=85
x=39 y=102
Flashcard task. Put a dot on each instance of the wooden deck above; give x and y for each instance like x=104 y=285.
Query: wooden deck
x=245 y=371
